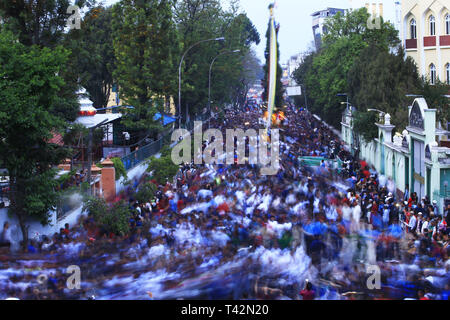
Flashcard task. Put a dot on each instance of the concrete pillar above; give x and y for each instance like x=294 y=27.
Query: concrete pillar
x=108 y=180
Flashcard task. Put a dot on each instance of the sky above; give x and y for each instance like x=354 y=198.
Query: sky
x=294 y=16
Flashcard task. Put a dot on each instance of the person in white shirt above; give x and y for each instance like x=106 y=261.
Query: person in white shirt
x=425 y=225
x=346 y=213
x=412 y=223
x=419 y=223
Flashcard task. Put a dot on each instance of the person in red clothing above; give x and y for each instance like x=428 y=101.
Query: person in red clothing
x=308 y=293
x=66 y=230
x=421 y=295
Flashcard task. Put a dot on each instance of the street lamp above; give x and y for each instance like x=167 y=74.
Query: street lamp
x=179 y=74
x=381 y=113
x=343 y=95
x=304 y=93
x=209 y=82
x=376 y=110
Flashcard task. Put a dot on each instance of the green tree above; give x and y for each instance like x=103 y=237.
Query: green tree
x=145 y=45
x=146 y=192
x=232 y=73
x=354 y=26
x=111 y=219
x=279 y=101
x=300 y=76
x=93 y=54
x=328 y=76
x=435 y=97
x=43 y=23
x=28 y=93
x=248 y=75
x=120 y=168
x=364 y=125
x=162 y=169
x=198 y=20
x=381 y=80
x=327 y=72
x=39 y=22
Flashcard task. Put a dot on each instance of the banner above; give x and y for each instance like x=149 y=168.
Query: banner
x=294 y=91
x=272 y=67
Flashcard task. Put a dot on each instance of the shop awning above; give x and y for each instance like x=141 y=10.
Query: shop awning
x=92 y=121
x=166 y=119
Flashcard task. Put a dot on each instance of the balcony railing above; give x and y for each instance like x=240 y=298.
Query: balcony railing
x=411 y=44
x=429 y=41
x=444 y=41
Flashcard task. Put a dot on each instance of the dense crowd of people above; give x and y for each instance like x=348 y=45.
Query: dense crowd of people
x=228 y=232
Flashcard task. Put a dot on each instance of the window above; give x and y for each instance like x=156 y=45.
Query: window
x=413 y=29
x=447 y=24
x=432 y=26
x=447 y=72
x=433 y=74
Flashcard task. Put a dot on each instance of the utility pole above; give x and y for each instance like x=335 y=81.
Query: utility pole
x=90 y=138
x=90 y=159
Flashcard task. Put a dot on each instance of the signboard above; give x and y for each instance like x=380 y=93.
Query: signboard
x=416 y=118
x=419 y=178
x=294 y=91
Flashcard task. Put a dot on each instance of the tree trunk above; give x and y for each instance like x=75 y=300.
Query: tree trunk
x=24 y=228
x=18 y=211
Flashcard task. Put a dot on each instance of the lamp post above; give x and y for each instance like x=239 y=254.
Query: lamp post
x=381 y=113
x=209 y=81
x=179 y=74
x=354 y=143
x=304 y=93
x=343 y=95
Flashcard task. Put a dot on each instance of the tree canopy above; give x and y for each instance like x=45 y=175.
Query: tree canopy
x=368 y=65
x=28 y=97
x=93 y=54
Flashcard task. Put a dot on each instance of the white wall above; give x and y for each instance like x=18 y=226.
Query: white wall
x=37 y=228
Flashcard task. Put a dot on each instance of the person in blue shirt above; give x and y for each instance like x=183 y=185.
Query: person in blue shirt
x=173 y=205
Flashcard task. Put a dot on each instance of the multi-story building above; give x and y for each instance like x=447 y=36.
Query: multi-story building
x=319 y=28
x=293 y=63
x=426 y=36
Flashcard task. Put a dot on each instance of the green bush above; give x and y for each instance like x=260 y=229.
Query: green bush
x=120 y=168
x=166 y=151
x=364 y=124
x=146 y=192
x=66 y=177
x=117 y=221
x=163 y=169
x=113 y=219
x=96 y=207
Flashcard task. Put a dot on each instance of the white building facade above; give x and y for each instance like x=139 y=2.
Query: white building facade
x=415 y=159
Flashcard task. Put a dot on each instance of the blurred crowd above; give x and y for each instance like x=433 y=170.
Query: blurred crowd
x=228 y=232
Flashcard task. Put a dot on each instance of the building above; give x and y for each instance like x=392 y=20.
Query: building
x=318 y=23
x=416 y=158
x=285 y=79
x=426 y=36
x=293 y=63
x=390 y=10
x=115 y=101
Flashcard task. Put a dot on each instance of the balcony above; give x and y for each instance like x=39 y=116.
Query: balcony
x=444 y=41
x=411 y=43
x=429 y=41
